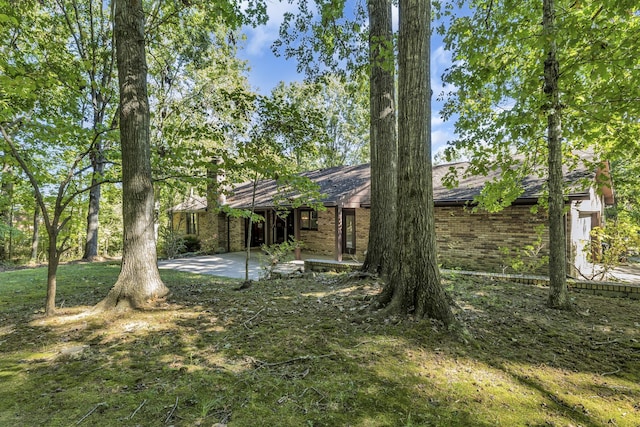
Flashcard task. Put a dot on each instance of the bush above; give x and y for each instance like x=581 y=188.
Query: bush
x=276 y=254
x=612 y=245
x=171 y=244
x=191 y=243
x=528 y=259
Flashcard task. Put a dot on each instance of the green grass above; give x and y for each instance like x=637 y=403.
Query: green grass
x=310 y=353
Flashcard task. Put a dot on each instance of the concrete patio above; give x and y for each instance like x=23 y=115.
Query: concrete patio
x=231 y=264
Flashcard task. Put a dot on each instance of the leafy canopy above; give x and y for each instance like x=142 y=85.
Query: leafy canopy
x=496 y=96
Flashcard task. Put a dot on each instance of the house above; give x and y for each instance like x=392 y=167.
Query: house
x=467 y=238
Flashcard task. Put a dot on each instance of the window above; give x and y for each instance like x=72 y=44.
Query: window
x=308 y=220
x=192 y=223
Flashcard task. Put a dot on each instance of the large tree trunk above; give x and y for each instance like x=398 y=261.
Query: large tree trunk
x=383 y=139
x=415 y=278
x=558 y=293
x=139 y=280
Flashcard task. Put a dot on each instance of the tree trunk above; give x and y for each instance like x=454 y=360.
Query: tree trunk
x=6 y=200
x=35 y=238
x=52 y=225
x=52 y=272
x=383 y=139
x=415 y=277
x=139 y=280
x=250 y=222
x=93 y=223
x=558 y=293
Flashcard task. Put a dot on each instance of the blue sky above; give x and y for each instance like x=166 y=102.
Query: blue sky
x=267 y=70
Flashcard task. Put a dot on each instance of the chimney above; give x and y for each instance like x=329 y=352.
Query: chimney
x=215 y=183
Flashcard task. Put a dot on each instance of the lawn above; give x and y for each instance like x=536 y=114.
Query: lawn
x=309 y=352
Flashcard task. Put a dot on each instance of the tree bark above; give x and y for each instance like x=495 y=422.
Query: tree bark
x=558 y=292
x=6 y=200
x=383 y=139
x=250 y=225
x=139 y=281
x=415 y=278
x=52 y=273
x=93 y=214
x=35 y=237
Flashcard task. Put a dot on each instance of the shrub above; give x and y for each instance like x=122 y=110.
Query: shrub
x=191 y=243
x=276 y=254
x=528 y=259
x=171 y=244
x=611 y=246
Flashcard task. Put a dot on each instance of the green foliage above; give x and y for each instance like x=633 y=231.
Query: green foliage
x=336 y=115
x=495 y=93
x=611 y=246
x=14 y=237
x=173 y=244
x=277 y=253
x=191 y=243
x=170 y=244
x=325 y=37
x=198 y=92
x=53 y=134
x=279 y=136
x=528 y=259
x=626 y=176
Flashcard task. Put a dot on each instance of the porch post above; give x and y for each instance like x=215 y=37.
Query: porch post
x=296 y=231
x=338 y=243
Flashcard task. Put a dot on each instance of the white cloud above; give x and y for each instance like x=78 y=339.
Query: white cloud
x=440 y=58
x=261 y=38
x=439 y=139
x=259 y=41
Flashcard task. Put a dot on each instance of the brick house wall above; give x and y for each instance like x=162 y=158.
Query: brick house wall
x=179 y=222
x=467 y=240
x=321 y=241
x=472 y=240
x=236 y=234
x=208 y=231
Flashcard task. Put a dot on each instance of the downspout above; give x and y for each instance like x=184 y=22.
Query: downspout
x=228 y=234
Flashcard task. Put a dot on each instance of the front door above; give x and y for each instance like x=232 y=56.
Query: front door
x=283 y=228
x=349 y=231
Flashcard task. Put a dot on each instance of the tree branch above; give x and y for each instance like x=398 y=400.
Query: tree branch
x=23 y=164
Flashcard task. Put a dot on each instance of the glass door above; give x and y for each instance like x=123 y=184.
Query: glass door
x=349 y=231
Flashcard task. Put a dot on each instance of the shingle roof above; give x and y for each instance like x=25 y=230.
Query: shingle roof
x=342 y=184
x=533 y=185
x=192 y=203
x=335 y=184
